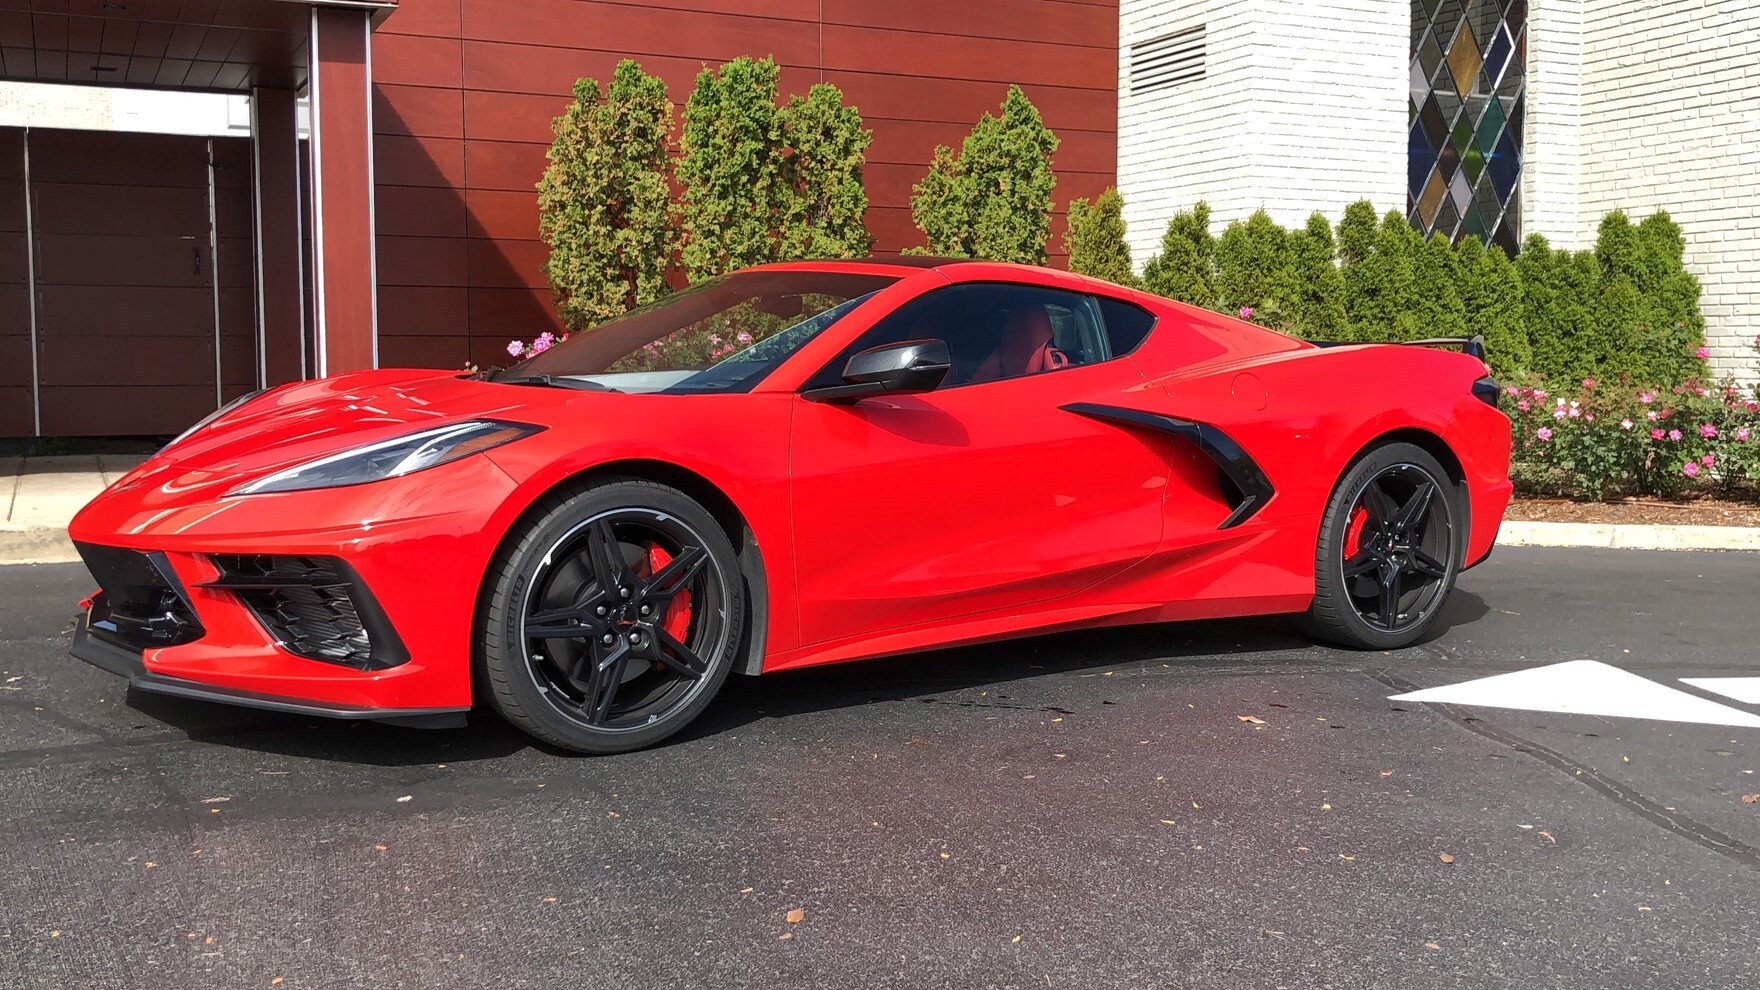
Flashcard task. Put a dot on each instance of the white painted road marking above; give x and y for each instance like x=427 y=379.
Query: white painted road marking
x=1587 y=687
x=1744 y=689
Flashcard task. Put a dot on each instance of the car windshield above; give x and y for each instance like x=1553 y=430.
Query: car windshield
x=723 y=335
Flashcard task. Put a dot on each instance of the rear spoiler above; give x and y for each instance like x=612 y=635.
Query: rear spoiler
x=1473 y=346
x=1485 y=389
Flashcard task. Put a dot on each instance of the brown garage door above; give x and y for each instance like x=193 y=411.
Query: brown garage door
x=145 y=307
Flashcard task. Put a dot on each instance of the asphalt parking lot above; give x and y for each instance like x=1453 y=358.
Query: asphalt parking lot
x=1205 y=805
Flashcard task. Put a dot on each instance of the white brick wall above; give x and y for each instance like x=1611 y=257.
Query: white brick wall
x=1671 y=120
x=1303 y=107
x=1552 y=119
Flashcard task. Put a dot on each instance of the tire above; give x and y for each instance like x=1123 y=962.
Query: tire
x=611 y=619
x=1364 y=538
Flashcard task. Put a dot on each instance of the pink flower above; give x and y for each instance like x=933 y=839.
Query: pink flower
x=1702 y=353
x=743 y=337
x=1589 y=416
x=1511 y=390
x=1588 y=383
x=1543 y=433
x=1522 y=405
x=1246 y=312
x=1656 y=434
x=1651 y=415
x=1753 y=406
x=1625 y=424
x=1702 y=392
x=1690 y=469
x=1674 y=435
x=1707 y=431
x=515 y=348
x=1708 y=460
x=1539 y=393
x=1646 y=397
x=1575 y=412
x=542 y=342
x=1742 y=433
x=1558 y=413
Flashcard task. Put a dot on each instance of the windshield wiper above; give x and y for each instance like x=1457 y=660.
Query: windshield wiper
x=555 y=381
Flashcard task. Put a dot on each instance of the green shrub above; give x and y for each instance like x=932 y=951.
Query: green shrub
x=1095 y=240
x=822 y=171
x=993 y=201
x=1253 y=272
x=1186 y=267
x=762 y=183
x=1491 y=300
x=602 y=202
x=1315 y=304
x=731 y=176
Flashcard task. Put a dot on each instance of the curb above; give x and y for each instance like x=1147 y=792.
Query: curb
x=35 y=545
x=1518 y=533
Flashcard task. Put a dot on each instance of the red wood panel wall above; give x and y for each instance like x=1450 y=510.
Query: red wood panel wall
x=15 y=314
x=466 y=90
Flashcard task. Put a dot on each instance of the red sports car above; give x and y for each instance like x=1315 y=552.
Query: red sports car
x=791 y=465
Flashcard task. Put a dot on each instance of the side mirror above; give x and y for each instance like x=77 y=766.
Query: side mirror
x=911 y=366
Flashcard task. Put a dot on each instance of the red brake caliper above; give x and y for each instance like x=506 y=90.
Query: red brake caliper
x=1353 y=531
x=677 y=620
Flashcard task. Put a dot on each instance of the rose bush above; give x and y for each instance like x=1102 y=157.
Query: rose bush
x=1597 y=440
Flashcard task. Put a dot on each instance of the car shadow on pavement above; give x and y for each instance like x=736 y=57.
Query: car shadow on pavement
x=1265 y=644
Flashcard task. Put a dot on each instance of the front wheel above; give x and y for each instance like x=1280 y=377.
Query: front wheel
x=613 y=618
x=1390 y=547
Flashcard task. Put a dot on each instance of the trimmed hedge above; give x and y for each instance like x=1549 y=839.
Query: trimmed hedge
x=1626 y=311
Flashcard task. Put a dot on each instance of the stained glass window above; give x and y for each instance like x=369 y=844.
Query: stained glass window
x=1464 y=153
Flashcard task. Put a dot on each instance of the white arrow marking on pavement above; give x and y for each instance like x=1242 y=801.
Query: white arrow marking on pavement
x=1744 y=689
x=1585 y=687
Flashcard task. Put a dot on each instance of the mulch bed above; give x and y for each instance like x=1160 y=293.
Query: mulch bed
x=1698 y=511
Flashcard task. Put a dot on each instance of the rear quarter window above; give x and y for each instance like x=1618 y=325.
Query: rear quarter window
x=1127 y=325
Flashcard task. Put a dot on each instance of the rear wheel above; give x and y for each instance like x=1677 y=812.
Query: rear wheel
x=1389 y=550
x=614 y=619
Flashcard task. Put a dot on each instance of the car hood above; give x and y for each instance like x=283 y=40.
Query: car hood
x=306 y=420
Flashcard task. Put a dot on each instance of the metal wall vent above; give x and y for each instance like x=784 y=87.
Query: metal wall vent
x=1167 y=61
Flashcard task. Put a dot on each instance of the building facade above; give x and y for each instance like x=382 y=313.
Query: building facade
x=145 y=278
x=1488 y=118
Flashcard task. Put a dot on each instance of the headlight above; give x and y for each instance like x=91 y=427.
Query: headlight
x=392 y=458
x=216 y=414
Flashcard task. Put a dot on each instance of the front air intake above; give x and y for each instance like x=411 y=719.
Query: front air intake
x=315 y=607
x=142 y=605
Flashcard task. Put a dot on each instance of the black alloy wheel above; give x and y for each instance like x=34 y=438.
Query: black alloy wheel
x=1389 y=551
x=616 y=620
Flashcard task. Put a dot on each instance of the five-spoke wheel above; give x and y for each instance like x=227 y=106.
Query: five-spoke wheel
x=1389 y=549
x=615 y=620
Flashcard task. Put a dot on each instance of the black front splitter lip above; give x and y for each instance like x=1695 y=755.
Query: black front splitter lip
x=126 y=663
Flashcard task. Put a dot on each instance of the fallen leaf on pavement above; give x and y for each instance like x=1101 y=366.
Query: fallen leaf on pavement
x=215 y=800
x=406 y=798
x=1445 y=857
x=919 y=742
x=378 y=847
x=1256 y=720
x=745 y=890
x=1196 y=805
x=1167 y=821
x=785 y=936
x=1432 y=946
x=1016 y=941
x=1750 y=798
x=1548 y=837
x=1348 y=859
x=795 y=916
x=1387 y=773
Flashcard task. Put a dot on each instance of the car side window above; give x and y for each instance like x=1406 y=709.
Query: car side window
x=993 y=331
x=1126 y=325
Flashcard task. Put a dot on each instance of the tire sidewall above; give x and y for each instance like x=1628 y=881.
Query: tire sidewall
x=517 y=693
x=1329 y=560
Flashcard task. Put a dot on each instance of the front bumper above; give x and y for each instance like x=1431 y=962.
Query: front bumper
x=124 y=662
x=257 y=578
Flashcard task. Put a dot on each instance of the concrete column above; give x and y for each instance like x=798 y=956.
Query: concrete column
x=344 y=282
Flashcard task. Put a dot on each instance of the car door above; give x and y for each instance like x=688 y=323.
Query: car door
x=982 y=495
